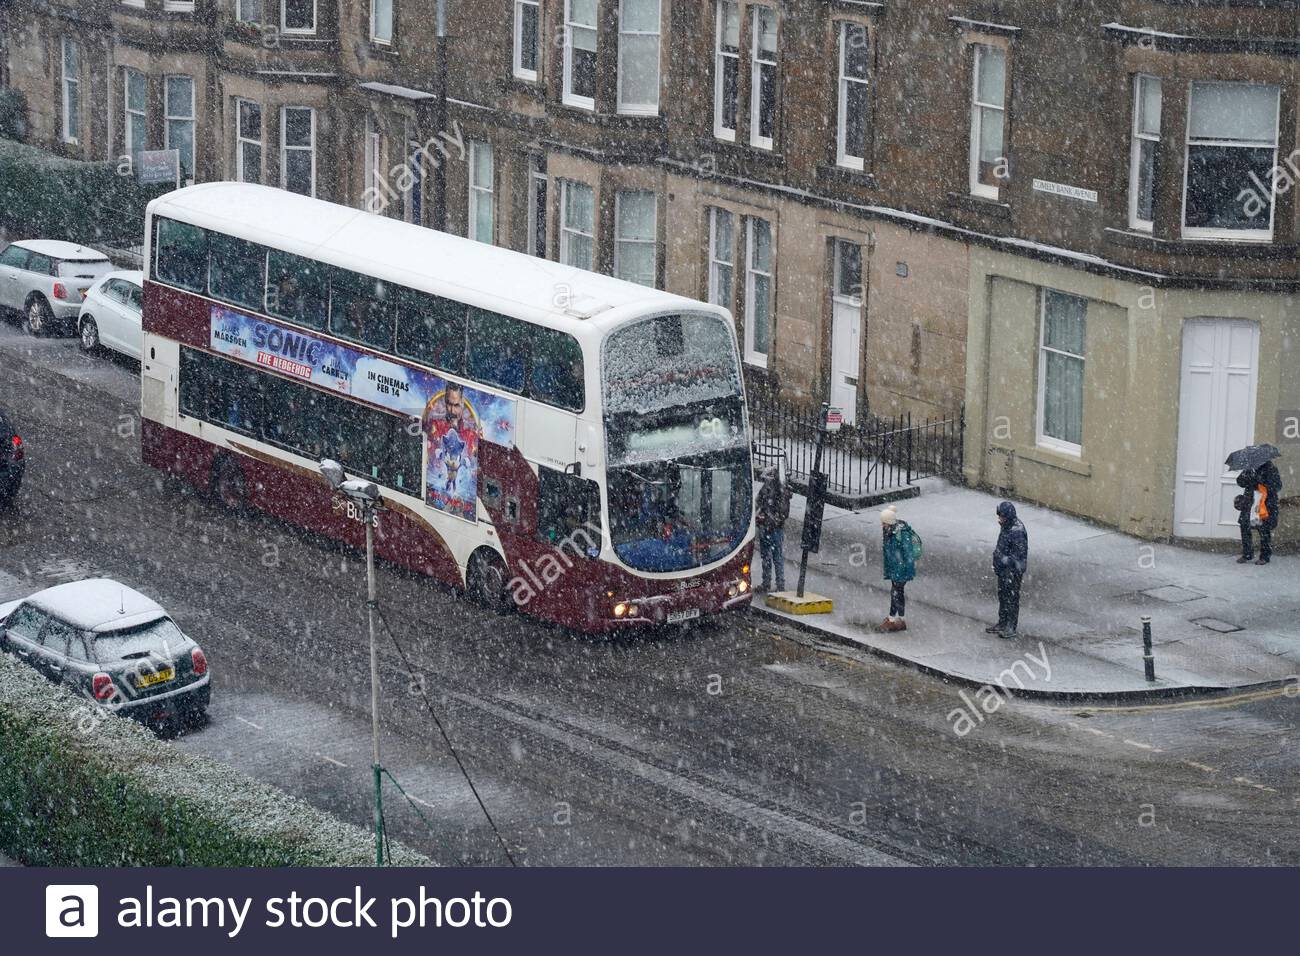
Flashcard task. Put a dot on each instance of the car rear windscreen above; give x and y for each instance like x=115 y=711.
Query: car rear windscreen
x=84 y=268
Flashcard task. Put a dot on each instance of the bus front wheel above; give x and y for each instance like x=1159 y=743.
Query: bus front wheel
x=485 y=581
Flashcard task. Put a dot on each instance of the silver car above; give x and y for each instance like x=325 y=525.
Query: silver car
x=110 y=316
x=47 y=280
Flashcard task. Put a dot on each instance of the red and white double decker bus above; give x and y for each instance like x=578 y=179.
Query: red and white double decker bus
x=543 y=436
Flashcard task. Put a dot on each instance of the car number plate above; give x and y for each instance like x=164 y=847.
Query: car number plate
x=676 y=617
x=157 y=677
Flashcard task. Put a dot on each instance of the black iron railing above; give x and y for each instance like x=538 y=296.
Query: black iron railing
x=876 y=455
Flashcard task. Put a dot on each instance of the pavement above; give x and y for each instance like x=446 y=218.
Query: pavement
x=1216 y=624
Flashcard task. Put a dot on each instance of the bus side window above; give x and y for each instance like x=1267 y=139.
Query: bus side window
x=431 y=329
x=182 y=255
x=236 y=271
x=361 y=309
x=406 y=452
x=498 y=349
x=556 y=374
x=297 y=289
x=568 y=509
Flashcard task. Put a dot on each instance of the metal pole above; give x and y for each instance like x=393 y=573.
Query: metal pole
x=372 y=606
x=1148 y=659
x=440 y=119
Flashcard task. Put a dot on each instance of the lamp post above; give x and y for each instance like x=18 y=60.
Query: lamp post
x=364 y=501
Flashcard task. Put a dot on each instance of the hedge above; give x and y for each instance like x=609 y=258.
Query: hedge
x=107 y=792
x=44 y=196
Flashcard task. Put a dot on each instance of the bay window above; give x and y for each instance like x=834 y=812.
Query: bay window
x=528 y=33
x=1060 y=371
x=635 y=237
x=851 y=126
x=297 y=16
x=577 y=225
x=178 y=120
x=537 y=193
x=298 y=150
x=722 y=257
x=1231 y=154
x=71 y=90
x=988 y=121
x=726 y=70
x=758 y=290
x=248 y=141
x=1147 y=96
x=638 y=57
x=480 y=192
x=580 y=53
x=381 y=21
x=762 y=91
x=134 y=120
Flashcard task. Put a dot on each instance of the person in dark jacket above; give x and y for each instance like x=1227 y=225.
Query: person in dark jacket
x=1010 y=560
x=773 y=511
x=899 y=551
x=1257 y=508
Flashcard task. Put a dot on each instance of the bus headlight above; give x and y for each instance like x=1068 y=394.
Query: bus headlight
x=742 y=586
x=620 y=609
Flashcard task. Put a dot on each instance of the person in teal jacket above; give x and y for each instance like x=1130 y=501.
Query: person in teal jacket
x=901 y=546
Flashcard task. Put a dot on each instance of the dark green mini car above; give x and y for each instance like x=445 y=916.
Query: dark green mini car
x=113 y=646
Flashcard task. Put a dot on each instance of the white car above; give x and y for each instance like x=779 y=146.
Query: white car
x=46 y=281
x=110 y=316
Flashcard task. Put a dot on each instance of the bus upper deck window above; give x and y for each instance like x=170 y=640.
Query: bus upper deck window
x=297 y=289
x=182 y=255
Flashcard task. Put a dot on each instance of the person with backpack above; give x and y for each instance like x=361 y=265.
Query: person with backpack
x=900 y=546
x=772 y=513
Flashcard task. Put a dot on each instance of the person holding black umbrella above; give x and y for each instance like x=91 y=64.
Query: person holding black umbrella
x=1257 y=505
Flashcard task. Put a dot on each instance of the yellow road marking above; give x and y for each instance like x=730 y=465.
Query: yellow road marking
x=1246 y=698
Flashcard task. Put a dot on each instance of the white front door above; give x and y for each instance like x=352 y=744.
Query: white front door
x=846 y=344
x=1216 y=415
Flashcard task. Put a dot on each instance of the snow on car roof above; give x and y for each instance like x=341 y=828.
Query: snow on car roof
x=488 y=276
x=97 y=604
x=58 y=249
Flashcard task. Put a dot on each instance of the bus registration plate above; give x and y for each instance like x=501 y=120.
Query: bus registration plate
x=686 y=614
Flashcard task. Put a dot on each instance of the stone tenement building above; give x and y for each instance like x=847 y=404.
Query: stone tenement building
x=1076 y=219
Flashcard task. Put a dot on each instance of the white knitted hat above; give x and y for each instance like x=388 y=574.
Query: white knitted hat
x=889 y=516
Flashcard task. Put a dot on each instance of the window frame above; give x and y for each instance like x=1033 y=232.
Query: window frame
x=285 y=148
x=241 y=141
x=374 y=22
x=640 y=109
x=1229 y=235
x=978 y=188
x=169 y=117
x=299 y=31
x=566 y=187
x=1041 y=439
x=715 y=263
x=567 y=96
x=1137 y=138
x=752 y=355
x=517 y=69
x=719 y=56
x=842 y=86
x=70 y=89
x=756 y=65
x=129 y=145
x=653 y=241
x=478 y=193
x=538 y=197
x=242 y=16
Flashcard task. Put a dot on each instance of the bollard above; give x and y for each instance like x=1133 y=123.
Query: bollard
x=1148 y=660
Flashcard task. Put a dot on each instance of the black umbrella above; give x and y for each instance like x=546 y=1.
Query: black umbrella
x=1252 y=456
